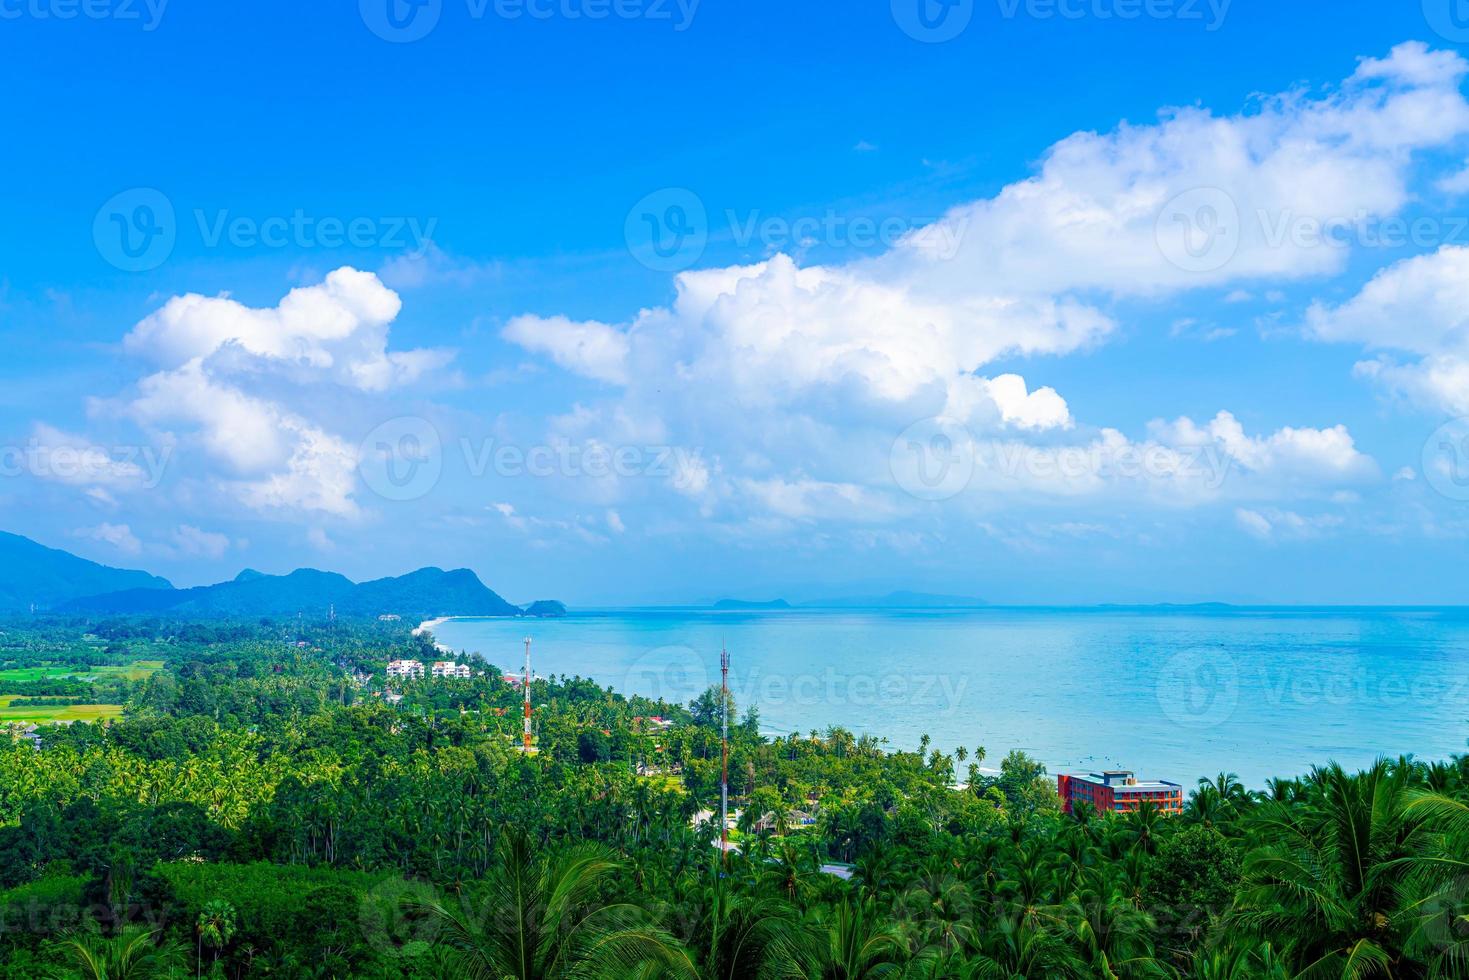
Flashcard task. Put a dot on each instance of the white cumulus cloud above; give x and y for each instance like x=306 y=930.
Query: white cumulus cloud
x=119 y=536
x=788 y=376
x=229 y=374
x=1418 y=306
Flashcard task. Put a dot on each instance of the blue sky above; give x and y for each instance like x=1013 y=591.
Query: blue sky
x=1041 y=312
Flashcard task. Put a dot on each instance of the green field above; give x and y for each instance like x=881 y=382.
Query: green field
x=41 y=714
x=135 y=671
x=62 y=712
x=33 y=674
x=666 y=783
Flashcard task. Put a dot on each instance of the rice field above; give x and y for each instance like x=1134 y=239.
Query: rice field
x=42 y=715
x=135 y=671
x=61 y=713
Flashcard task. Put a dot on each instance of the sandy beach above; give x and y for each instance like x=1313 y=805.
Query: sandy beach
x=428 y=626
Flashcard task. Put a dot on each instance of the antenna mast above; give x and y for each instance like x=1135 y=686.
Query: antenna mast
x=724 y=754
x=525 y=735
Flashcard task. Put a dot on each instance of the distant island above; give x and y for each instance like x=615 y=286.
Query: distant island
x=1167 y=605
x=729 y=605
x=893 y=600
x=899 y=600
x=546 y=609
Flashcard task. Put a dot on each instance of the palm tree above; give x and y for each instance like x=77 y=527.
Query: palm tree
x=1228 y=786
x=1205 y=805
x=781 y=815
x=876 y=869
x=214 y=928
x=1330 y=883
x=791 y=872
x=856 y=944
x=1112 y=931
x=1227 y=792
x=1140 y=827
x=1025 y=951
x=1246 y=963
x=746 y=935
x=540 y=920
x=939 y=904
x=132 y=954
x=1440 y=900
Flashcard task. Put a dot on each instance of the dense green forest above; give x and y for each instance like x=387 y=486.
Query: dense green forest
x=262 y=806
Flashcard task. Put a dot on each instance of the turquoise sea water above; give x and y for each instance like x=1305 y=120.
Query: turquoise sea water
x=1172 y=693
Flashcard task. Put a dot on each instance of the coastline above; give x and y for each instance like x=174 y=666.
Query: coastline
x=428 y=626
x=1064 y=685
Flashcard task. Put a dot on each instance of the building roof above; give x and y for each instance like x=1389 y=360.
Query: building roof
x=1148 y=786
x=1140 y=786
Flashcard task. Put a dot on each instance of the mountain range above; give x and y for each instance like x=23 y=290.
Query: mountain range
x=48 y=579
x=33 y=575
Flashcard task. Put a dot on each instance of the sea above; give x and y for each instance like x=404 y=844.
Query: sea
x=1174 y=693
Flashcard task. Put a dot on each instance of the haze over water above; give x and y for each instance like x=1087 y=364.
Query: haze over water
x=1172 y=693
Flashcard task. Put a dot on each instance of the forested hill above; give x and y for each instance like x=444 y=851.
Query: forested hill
x=425 y=593
x=31 y=573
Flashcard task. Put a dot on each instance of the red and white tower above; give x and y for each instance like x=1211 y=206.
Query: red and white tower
x=724 y=753
x=525 y=734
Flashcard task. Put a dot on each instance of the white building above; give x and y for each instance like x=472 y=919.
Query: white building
x=406 y=668
x=448 y=668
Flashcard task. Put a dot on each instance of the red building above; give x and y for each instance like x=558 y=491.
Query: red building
x=1118 y=790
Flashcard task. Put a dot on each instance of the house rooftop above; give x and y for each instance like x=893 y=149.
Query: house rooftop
x=1122 y=781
